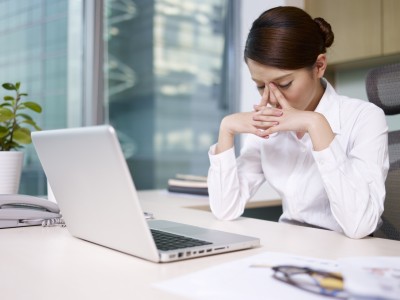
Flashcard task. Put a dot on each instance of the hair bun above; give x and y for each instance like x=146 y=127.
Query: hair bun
x=326 y=31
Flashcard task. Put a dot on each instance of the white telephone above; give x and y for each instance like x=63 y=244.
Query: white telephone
x=23 y=210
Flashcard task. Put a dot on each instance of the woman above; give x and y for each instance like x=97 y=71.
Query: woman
x=326 y=155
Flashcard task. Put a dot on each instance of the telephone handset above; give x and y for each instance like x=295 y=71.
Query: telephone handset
x=24 y=210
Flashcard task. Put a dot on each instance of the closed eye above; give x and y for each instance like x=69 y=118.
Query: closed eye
x=260 y=87
x=285 y=86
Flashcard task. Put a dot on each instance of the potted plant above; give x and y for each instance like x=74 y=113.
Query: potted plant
x=15 y=132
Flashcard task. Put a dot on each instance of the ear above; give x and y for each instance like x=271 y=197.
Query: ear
x=320 y=65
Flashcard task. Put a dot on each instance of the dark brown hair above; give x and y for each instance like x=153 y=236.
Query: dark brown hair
x=287 y=38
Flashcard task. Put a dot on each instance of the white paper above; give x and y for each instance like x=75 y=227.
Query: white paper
x=373 y=277
x=242 y=279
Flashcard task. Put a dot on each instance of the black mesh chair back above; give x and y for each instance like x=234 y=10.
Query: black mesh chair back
x=383 y=89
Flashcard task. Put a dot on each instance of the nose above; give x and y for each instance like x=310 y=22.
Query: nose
x=272 y=99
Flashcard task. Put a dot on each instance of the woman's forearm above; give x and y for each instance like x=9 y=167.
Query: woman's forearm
x=226 y=139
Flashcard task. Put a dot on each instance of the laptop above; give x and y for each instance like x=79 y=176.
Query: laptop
x=92 y=184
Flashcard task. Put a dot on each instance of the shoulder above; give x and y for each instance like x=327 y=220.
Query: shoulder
x=346 y=113
x=353 y=108
x=358 y=115
x=353 y=104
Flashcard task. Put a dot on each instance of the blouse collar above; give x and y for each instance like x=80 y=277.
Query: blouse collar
x=329 y=106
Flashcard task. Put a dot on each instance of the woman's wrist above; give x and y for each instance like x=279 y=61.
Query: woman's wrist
x=226 y=137
x=320 y=131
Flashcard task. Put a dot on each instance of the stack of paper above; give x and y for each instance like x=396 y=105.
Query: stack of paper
x=189 y=184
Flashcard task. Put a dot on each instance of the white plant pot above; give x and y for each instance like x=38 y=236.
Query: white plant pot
x=10 y=171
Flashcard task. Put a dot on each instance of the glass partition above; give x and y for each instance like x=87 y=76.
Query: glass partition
x=35 y=36
x=169 y=76
x=166 y=69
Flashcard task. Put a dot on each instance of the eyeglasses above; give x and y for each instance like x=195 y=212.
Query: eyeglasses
x=315 y=281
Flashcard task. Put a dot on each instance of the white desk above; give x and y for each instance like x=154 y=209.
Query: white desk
x=48 y=263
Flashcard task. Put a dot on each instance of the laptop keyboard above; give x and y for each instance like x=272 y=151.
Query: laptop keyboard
x=168 y=241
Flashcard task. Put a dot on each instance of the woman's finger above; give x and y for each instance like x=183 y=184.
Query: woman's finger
x=264 y=124
x=257 y=107
x=265 y=97
x=261 y=133
x=267 y=111
x=278 y=96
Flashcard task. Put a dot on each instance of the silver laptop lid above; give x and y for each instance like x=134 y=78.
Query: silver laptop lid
x=92 y=184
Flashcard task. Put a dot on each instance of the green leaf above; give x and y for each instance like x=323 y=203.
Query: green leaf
x=5 y=114
x=12 y=146
x=32 y=123
x=3 y=131
x=9 y=86
x=22 y=136
x=33 y=106
x=25 y=116
x=8 y=98
x=5 y=104
x=17 y=85
x=23 y=94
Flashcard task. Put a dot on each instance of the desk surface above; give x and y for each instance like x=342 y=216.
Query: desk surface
x=48 y=263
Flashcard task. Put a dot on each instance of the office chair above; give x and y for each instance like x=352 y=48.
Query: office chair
x=383 y=89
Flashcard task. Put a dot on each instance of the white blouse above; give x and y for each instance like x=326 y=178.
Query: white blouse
x=341 y=188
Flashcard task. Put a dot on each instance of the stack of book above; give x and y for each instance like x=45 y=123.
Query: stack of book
x=188 y=184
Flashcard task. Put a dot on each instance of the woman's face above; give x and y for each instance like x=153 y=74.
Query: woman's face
x=301 y=88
